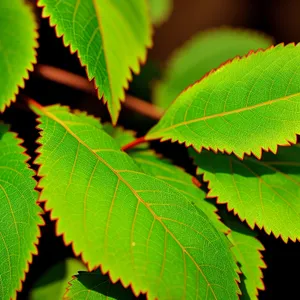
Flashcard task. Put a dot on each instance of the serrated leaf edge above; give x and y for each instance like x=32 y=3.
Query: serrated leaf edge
x=21 y=84
x=141 y=60
x=257 y=153
x=79 y=254
x=42 y=222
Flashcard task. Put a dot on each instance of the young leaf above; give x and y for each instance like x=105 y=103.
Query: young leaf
x=111 y=38
x=19 y=214
x=52 y=284
x=245 y=106
x=17 y=50
x=201 y=54
x=124 y=220
x=94 y=285
x=160 y=10
x=262 y=192
x=246 y=249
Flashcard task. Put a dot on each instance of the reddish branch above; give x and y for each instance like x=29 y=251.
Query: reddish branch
x=134 y=143
x=83 y=84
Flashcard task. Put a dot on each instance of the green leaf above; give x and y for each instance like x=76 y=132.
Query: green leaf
x=53 y=284
x=245 y=106
x=19 y=214
x=111 y=38
x=262 y=192
x=160 y=10
x=203 y=53
x=94 y=285
x=246 y=249
x=18 y=34
x=124 y=220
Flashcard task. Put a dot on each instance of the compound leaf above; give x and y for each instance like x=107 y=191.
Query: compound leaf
x=19 y=214
x=96 y=286
x=160 y=10
x=204 y=52
x=135 y=226
x=111 y=38
x=52 y=284
x=250 y=104
x=246 y=249
x=17 y=48
x=262 y=192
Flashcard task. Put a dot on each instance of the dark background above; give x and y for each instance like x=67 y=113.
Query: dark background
x=279 y=19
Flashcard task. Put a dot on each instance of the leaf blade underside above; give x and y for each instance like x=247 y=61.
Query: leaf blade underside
x=130 y=225
x=19 y=215
x=101 y=31
x=262 y=192
x=17 y=48
x=201 y=54
x=255 y=97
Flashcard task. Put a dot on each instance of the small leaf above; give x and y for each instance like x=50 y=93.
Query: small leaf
x=94 y=285
x=111 y=38
x=203 y=53
x=160 y=10
x=262 y=192
x=124 y=220
x=246 y=249
x=19 y=215
x=52 y=284
x=18 y=34
x=244 y=106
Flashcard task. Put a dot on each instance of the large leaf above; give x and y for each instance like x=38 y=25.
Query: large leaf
x=17 y=48
x=135 y=226
x=263 y=192
x=19 y=214
x=110 y=36
x=246 y=249
x=160 y=10
x=245 y=106
x=94 y=285
x=201 y=54
x=53 y=283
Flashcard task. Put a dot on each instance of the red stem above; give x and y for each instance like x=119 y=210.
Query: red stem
x=134 y=143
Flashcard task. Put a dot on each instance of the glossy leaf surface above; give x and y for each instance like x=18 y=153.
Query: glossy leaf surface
x=17 y=47
x=111 y=38
x=160 y=10
x=203 y=53
x=245 y=106
x=19 y=214
x=94 y=285
x=54 y=282
x=124 y=220
x=263 y=192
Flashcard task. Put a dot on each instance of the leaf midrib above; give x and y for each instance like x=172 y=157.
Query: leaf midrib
x=222 y=114
x=50 y=115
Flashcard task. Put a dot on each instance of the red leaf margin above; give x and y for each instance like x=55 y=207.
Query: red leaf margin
x=141 y=60
x=42 y=222
x=272 y=149
x=79 y=254
x=30 y=68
